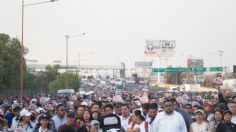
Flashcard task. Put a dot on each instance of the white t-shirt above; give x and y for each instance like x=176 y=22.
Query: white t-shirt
x=141 y=127
x=169 y=123
x=233 y=120
x=14 y=123
x=203 y=127
x=124 y=122
x=24 y=128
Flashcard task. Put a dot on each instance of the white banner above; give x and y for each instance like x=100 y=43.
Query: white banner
x=161 y=48
x=230 y=85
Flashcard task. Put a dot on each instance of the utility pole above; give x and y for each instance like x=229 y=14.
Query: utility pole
x=221 y=57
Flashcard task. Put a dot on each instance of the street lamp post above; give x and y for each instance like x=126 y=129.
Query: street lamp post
x=221 y=58
x=22 y=43
x=67 y=39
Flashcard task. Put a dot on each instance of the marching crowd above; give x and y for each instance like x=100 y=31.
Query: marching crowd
x=136 y=111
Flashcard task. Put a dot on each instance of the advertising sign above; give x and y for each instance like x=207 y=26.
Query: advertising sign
x=160 y=48
x=143 y=64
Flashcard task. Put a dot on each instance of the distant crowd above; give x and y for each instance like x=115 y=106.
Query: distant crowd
x=108 y=110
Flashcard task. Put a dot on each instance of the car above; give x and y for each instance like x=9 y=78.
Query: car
x=120 y=83
x=174 y=89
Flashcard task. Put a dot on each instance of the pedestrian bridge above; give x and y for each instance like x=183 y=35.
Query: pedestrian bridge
x=117 y=70
x=81 y=67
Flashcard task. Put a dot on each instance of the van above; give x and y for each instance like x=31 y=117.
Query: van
x=65 y=92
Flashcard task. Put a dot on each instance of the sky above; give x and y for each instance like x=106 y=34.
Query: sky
x=116 y=30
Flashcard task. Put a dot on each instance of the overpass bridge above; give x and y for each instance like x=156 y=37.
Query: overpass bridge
x=116 y=69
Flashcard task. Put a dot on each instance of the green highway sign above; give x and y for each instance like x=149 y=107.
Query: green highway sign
x=216 y=69
x=158 y=69
x=172 y=70
x=199 y=69
x=69 y=67
x=185 y=69
x=195 y=69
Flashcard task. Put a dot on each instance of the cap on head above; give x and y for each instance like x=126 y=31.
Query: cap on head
x=24 y=112
x=34 y=101
x=199 y=111
x=16 y=106
x=40 y=110
x=1 y=112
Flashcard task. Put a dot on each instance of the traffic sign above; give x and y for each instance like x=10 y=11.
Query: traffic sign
x=195 y=69
x=172 y=70
x=69 y=67
x=158 y=70
x=216 y=69
x=185 y=69
x=199 y=69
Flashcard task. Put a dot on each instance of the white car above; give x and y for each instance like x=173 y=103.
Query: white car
x=174 y=90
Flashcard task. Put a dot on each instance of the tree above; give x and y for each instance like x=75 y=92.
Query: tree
x=59 y=83
x=31 y=84
x=47 y=76
x=10 y=62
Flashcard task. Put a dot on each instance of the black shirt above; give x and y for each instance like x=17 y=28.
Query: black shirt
x=226 y=127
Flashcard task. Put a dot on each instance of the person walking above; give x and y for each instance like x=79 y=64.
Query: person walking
x=226 y=125
x=169 y=120
x=200 y=125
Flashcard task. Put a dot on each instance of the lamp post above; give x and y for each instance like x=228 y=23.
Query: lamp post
x=67 y=39
x=220 y=52
x=22 y=42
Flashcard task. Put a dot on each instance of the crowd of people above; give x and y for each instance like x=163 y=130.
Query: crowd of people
x=136 y=111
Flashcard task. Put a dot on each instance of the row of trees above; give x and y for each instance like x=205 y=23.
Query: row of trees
x=47 y=81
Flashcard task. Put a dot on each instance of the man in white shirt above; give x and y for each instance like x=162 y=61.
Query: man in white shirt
x=124 y=118
x=232 y=109
x=169 y=120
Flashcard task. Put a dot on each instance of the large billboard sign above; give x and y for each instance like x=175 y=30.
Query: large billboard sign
x=161 y=48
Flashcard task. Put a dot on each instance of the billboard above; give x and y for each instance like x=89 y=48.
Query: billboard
x=195 y=63
x=143 y=64
x=160 y=48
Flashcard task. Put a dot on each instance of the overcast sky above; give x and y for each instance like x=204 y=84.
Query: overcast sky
x=117 y=29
